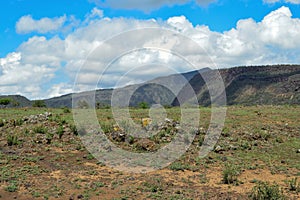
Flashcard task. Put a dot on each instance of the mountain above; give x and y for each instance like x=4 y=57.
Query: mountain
x=16 y=101
x=252 y=85
x=161 y=90
x=248 y=85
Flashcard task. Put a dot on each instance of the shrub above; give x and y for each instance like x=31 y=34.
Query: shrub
x=2 y=123
x=177 y=166
x=49 y=137
x=143 y=105
x=12 y=187
x=66 y=110
x=5 y=101
x=265 y=191
x=130 y=139
x=39 y=104
x=18 y=122
x=40 y=129
x=293 y=185
x=12 y=140
x=60 y=131
x=107 y=127
x=230 y=174
x=74 y=129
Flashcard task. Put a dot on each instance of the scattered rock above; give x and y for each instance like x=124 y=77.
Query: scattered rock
x=41 y=139
x=72 y=197
x=218 y=149
x=33 y=119
x=231 y=147
x=145 y=144
x=224 y=159
x=118 y=136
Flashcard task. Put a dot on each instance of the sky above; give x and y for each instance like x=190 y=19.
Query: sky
x=47 y=47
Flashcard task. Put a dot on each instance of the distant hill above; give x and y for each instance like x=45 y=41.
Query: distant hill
x=253 y=85
x=16 y=101
x=161 y=90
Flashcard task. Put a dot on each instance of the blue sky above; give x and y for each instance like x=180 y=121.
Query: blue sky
x=34 y=36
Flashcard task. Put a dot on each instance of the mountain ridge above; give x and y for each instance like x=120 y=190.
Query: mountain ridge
x=245 y=85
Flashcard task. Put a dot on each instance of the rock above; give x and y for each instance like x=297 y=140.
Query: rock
x=231 y=147
x=118 y=136
x=224 y=159
x=33 y=119
x=177 y=127
x=298 y=151
x=41 y=139
x=72 y=197
x=218 y=149
x=167 y=120
x=80 y=196
x=145 y=144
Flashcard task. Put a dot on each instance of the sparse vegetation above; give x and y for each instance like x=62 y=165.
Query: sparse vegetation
x=40 y=129
x=230 y=174
x=66 y=110
x=12 y=140
x=294 y=185
x=266 y=191
x=12 y=186
x=44 y=150
x=60 y=131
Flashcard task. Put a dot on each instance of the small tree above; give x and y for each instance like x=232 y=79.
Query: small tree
x=4 y=102
x=39 y=104
x=143 y=105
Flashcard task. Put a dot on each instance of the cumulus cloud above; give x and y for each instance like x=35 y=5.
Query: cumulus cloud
x=146 y=5
x=37 y=62
x=27 y=24
x=23 y=78
x=287 y=1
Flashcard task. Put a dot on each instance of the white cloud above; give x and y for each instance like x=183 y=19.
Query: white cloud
x=27 y=24
x=23 y=78
x=287 y=1
x=146 y=5
x=33 y=67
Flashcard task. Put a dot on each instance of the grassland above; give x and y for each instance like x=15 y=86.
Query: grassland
x=258 y=150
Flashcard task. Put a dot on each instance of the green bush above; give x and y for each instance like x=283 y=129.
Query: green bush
x=2 y=123
x=177 y=166
x=40 y=129
x=49 y=137
x=265 y=191
x=12 y=140
x=60 y=131
x=39 y=104
x=143 y=105
x=74 y=129
x=12 y=187
x=66 y=110
x=5 y=101
x=18 y=122
x=294 y=185
x=230 y=174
